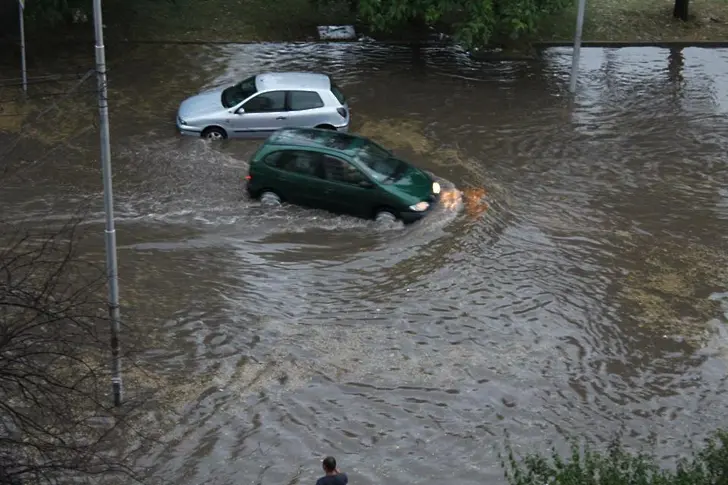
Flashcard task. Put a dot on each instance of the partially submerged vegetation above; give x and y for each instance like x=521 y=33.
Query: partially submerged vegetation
x=62 y=108
x=472 y=23
x=222 y=20
x=410 y=136
x=618 y=466
x=669 y=294
x=638 y=21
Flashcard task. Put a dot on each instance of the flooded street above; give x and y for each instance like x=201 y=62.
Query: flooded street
x=572 y=286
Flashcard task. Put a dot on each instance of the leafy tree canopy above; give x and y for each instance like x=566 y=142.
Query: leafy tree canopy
x=475 y=22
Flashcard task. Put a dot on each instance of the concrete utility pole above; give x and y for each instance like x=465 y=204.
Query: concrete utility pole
x=21 y=19
x=577 y=45
x=111 y=266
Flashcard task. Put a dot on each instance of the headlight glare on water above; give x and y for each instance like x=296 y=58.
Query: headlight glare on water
x=420 y=206
x=435 y=188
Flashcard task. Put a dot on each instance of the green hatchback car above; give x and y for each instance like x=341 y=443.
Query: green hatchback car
x=341 y=173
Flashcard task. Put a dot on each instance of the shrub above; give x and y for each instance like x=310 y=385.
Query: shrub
x=618 y=466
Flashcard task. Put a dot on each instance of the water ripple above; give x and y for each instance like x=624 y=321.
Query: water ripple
x=408 y=351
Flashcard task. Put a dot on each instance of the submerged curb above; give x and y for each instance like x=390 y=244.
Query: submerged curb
x=667 y=44
x=423 y=42
x=111 y=41
x=428 y=42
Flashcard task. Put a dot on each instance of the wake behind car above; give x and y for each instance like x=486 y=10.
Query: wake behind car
x=341 y=173
x=261 y=104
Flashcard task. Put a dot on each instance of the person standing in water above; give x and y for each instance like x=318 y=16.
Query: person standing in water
x=333 y=475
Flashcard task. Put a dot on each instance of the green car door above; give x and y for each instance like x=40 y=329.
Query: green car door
x=347 y=189
x=296 y=175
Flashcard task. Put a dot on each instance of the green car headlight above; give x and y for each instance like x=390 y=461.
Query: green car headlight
x=420 y=206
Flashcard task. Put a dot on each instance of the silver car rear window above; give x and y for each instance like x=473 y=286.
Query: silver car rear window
x=339 y=95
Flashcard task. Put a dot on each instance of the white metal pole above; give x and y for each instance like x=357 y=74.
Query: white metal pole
x=21 y=14
x=111 y=265
x=577 y=45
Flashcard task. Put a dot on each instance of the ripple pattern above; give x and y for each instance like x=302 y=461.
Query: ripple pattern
x=407 y=352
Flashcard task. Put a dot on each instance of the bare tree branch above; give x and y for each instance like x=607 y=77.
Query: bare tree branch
x=57 y=422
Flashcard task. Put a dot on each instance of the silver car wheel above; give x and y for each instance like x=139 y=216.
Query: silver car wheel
x=213 y=135
x=385 y=217
x=270 y=199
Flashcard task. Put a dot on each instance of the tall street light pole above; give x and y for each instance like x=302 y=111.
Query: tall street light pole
x=111 y=265
x=577 y=45
x=21 y=21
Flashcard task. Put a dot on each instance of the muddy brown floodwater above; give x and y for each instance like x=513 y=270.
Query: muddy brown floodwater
x=572 y=286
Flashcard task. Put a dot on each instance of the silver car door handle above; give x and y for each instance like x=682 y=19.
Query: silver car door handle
x=282 y=118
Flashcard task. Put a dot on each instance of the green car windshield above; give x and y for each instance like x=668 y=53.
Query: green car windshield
x=379 y=163
x=241 y=91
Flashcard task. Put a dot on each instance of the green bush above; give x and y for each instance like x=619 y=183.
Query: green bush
x=475 y=22
x=617 y=466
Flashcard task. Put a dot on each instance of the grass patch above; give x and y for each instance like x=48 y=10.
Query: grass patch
x=48 y=117
x=296 y=20
x=63 y=109
x=397 y=134
x=671 y=289
x=13 y=112
x=410 y=136
x=639 y=20
x=221 y=20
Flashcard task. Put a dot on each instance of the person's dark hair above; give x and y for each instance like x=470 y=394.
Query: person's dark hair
x=329 y=463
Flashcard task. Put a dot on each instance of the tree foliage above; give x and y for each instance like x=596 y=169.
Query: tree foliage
x=475 y=22
x=617 y=466
x=51 y=12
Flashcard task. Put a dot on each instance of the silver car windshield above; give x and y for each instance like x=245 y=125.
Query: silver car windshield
x=380 y=163
x=241 y=91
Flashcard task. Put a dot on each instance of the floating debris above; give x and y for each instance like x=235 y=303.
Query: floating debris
x=336 y=32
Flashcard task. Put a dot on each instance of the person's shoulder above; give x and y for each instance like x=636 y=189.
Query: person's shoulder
x=338 y=479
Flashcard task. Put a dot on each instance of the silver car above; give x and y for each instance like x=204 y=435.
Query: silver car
x=264 y=103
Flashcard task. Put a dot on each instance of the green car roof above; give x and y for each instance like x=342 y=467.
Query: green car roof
x=317 y=138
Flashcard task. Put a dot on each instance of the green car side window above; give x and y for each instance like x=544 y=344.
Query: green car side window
x=302 y=162
x=272 y=159
x=337 y=170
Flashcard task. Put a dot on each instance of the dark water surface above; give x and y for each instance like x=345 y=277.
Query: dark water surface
x=573 y=285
